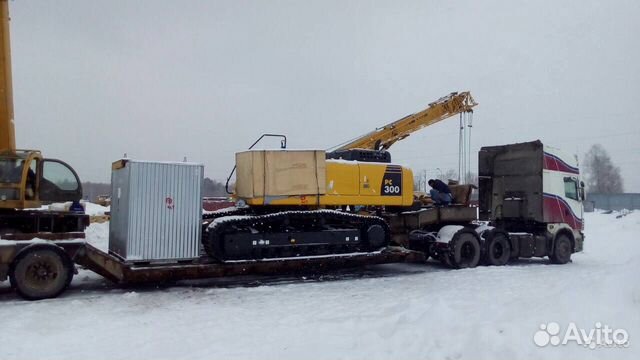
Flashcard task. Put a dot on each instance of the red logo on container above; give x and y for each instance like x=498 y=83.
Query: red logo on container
x=169 y=202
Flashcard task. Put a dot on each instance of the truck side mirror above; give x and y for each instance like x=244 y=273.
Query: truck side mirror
x=581 y=191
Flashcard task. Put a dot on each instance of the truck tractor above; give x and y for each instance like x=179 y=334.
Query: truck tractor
x=530 y=205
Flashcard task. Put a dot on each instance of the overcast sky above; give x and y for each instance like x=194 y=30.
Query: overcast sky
x=162 y=80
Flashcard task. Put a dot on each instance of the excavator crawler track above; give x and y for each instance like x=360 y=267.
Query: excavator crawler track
x=292 y=234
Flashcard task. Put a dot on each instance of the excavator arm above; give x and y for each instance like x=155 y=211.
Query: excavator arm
x=382 y=138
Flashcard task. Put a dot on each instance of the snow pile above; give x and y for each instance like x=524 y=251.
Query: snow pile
x=389 y=311
x=89 y=207
x=221 y=210
x=97 y=234
x=95 y=209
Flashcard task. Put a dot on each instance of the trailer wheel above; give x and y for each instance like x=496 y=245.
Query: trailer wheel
x=465 y=250
x=41 y=272
x=561 y=250
x=498 y=250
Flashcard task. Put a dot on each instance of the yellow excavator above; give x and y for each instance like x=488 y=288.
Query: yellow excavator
x=313 y=202
x=27 y=179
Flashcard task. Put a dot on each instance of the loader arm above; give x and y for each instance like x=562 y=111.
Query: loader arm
x=382 y=138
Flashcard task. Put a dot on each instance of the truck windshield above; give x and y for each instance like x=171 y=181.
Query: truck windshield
x=11 y=170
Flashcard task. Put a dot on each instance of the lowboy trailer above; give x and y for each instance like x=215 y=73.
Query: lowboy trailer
x=530 y=200
x=43 y=269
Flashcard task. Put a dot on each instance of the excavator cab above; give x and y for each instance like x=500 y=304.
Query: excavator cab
x=27 y=180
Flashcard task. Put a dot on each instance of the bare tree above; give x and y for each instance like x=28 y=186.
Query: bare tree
x=472 y=178
x=451 y=174
x=213 y=188
x=448 y=175
x=601 y=175
x=419 y=182
x=91 y=190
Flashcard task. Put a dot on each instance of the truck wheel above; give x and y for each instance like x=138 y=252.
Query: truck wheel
x=561 y=250
x=498 y=249
x=464 y=250
x=41 y=272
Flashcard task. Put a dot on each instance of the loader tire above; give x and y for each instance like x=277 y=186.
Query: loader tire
x=561 y=250
x=498 y=249
x=41 y=272
x=464 y=250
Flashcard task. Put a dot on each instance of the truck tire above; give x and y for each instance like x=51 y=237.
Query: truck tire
x=464 y=250
x=41 y=272
x=498 y=249
x=561 y=250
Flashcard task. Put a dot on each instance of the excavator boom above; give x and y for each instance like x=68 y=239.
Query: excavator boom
x=382 y=138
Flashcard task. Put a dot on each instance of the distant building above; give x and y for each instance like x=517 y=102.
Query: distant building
x=630 y=201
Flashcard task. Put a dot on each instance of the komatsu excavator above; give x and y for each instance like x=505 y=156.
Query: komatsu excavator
x=314 y=202
x=27 y=179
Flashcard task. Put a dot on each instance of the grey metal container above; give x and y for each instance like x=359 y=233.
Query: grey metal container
x=156 y=210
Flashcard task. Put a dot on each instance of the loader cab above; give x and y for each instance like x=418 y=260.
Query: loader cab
x=27 y=180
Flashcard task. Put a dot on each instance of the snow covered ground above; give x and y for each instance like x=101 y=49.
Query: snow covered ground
x=389 y=311
x=95 y=209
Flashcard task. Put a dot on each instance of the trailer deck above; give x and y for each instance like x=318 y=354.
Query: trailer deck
x=120 y=272
x=402 y=224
